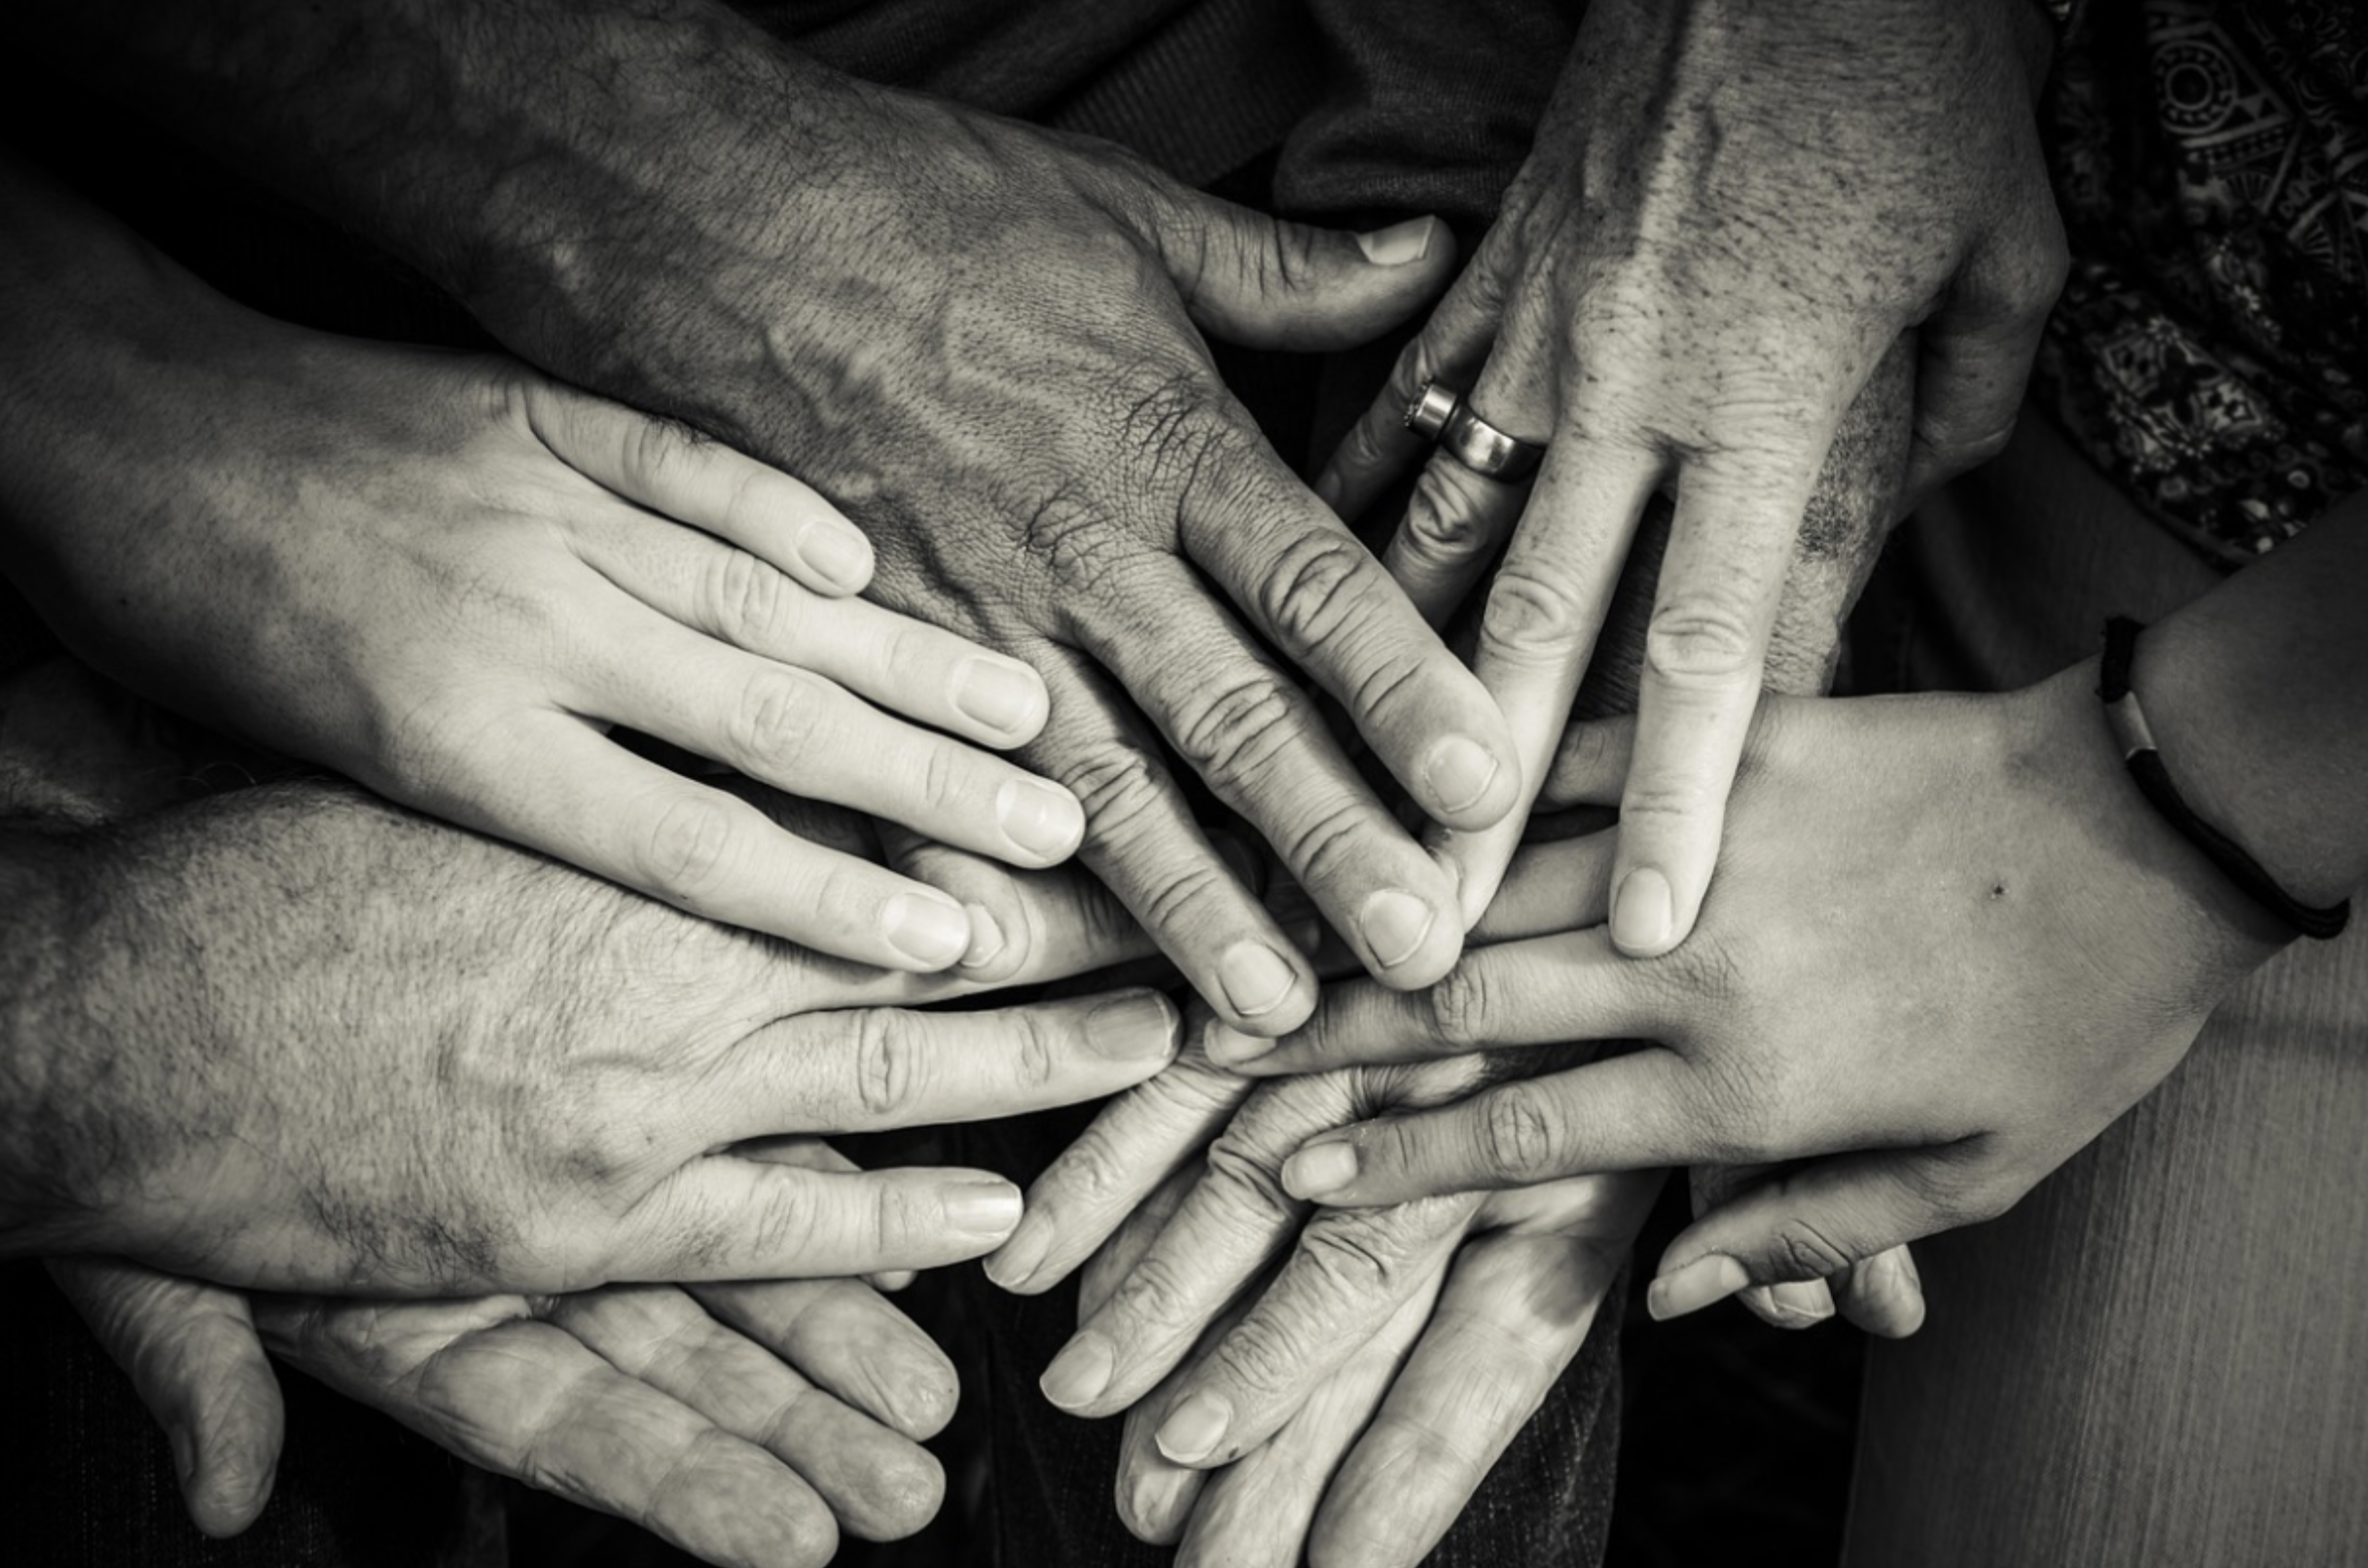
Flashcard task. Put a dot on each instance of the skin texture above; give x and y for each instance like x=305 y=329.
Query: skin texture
x=446 y=576
x=980 y=341
x=1732 y=212
x=1220 y=1291
x=749 y=1424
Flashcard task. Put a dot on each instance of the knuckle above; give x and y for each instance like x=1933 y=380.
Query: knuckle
x=1443 y=527
x=686 y=848
x=888 y=1061
x=779 y=715
x=1516 y=1135
x=1237 y=731
x=1702 y=641
x=1530 y=616
x=1169 y=429
x=1806 y=1252
x=1460 y=1007
x=1120 y=786
x=1242 y=1171
x=944 y=781
x=746 y=598
x=1075 y=539
x=1352 y=1258
x=1311 y=592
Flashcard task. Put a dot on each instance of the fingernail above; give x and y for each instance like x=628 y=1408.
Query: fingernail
x=841 y=558
x=1400 y=244
x=986 y=937
x=1228 y=1046
x=1642 y=913
x=1193 y=1429
x=1016 y=1261
x=1158 y=1498
x=1394 y=925
x=1459 y=772
x=1134 y=1029
x=1319 y=1168
x=1043 y=819
x=1328 y=489
x=929 y=931
x=184 y=1455
x=1807 y=1299
x=1255 y=977
x=1080 y=1372
x=1708 y=1279
x=1001 y=695
x=983 y=1208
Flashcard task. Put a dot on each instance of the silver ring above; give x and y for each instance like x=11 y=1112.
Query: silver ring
x=1433 y=407
x=1443 y=416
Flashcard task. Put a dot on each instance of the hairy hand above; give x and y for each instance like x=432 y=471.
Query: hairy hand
x=299 y=1038
x=983 y=342
x=1731 y=213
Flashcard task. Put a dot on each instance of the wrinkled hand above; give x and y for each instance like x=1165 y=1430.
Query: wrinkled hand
x=306 y=1041
x=446 y=576
x=1730 y=214
x=983 y=342
x=1949 y=944
x=746 y=1423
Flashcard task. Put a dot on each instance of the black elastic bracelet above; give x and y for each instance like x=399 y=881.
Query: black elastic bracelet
x=2145 y=763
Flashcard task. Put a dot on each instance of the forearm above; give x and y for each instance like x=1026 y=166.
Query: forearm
x=2257 y=694
x=525 y=154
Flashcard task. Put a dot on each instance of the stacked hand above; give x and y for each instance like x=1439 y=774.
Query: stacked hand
x=1731 y=215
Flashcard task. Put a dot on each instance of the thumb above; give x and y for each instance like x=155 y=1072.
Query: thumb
x=1265 y=283
x=1818 y=1222
x=194 y=1358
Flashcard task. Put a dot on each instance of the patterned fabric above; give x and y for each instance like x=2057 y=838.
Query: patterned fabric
x=2210 y=350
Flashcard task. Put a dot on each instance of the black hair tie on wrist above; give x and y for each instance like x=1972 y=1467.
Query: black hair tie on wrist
x=2145 y=763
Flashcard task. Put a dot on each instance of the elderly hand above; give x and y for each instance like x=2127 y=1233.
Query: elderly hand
x=446 y=576
x=746 y=1423
x=1730 y=214
x=982 y=342
x=294 y=1038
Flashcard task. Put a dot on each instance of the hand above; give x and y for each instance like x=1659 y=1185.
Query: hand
x=446 y=576
x=983 y=342
x=745 y=1423
x=1949 y=944
x=301 y=1040
x=1730 y=214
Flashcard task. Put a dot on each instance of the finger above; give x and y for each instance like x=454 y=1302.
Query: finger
x=850 y=1341
x=1449 y=351
x=1513 y=1313
x=804 y=734
x=813 y=1153
x=1156 y=1497
x=1974 y=356
x=1590 y=763
x=1705 y=653
x=1107 y=1270
x=1321 y=599
x=1136 y=1142
x=1625 y=1112
x=1885 y=1294
x=558 y=786
x=1550 y=888
x=1234 y=1220
x=1820 y=1219
x=527 y=1400
x=685 y=474
x=871 y=1069
x=1541 y=991
x=1265 y=284
x=1345 y=1278
x=1544 y=609
x=192 y=1353
x=724 y=1218
x=1260 y=743
x=905 y=666
x=1257 y=1511
x=1142 y=842
x=880 y=1485
x=1455 y=522
x=1024 y=925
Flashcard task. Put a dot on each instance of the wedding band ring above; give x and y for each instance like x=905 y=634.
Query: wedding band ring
x=1444 y=416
